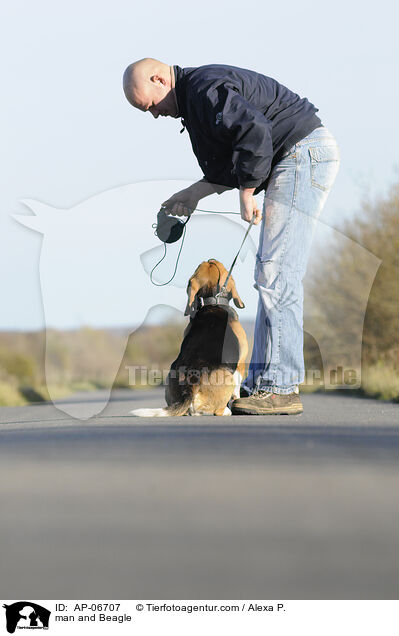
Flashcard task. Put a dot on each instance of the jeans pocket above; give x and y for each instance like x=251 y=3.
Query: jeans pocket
x=324 y=164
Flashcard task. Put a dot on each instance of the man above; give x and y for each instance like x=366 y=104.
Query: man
x=250 y=132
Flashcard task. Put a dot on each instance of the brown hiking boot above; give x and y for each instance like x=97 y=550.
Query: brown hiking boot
x=264 y=403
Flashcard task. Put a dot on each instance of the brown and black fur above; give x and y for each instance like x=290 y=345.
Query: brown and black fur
x=204 y=376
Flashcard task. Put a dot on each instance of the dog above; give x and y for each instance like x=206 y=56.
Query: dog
x=208 y=371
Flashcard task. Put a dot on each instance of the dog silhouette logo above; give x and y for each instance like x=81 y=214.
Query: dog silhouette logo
x=26 y=615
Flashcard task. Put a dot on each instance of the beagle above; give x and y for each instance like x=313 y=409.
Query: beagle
x=208 y=371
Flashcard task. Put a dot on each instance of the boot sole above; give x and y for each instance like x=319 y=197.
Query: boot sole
x=287 y=410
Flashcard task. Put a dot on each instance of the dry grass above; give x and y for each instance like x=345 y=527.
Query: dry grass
x=10 y=395
x=381 y=381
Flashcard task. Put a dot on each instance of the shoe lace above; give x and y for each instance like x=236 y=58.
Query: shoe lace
x=261 y=393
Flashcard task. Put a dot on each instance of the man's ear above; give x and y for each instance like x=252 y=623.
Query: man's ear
x=192 y=289
x=157 y=79
x=231 y=287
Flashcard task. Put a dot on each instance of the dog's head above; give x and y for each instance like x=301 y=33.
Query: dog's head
x=207 y=280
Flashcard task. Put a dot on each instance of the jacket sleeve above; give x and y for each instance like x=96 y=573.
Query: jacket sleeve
x=234 y=120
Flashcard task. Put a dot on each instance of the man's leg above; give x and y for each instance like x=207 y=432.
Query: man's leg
x=297 y=190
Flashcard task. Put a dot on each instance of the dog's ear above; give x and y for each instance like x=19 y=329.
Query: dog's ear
x=231 y=287
x=192 y=289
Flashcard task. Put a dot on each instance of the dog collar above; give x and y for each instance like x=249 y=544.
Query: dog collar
x=220 y=299
x=214 y=300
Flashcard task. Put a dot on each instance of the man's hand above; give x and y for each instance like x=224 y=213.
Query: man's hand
x=183 y=203
x=248 y=206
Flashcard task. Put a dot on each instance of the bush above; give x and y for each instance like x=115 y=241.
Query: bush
x=342 y=279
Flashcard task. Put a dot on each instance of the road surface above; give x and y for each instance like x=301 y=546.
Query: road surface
x=277 y=507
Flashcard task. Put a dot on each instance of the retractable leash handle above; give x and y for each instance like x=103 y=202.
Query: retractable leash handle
x=169 y=228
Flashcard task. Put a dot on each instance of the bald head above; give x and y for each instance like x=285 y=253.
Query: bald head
x=149 y=86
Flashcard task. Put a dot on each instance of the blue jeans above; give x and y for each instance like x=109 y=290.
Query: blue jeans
x=297 y=191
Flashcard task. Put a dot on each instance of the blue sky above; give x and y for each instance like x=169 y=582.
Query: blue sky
x=68 y=133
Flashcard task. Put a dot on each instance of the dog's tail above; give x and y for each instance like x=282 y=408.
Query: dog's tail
x=173 y=410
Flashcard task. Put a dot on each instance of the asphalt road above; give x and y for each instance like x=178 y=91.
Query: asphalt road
x=277 y=507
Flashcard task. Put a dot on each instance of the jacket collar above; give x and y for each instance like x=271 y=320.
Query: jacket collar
x=179 y=89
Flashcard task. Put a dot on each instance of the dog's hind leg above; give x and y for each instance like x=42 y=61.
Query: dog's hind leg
x=223 y=411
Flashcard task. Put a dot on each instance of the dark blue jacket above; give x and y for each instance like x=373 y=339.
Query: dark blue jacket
x=240 y=122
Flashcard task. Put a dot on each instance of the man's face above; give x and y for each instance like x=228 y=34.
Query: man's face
x=155 y=96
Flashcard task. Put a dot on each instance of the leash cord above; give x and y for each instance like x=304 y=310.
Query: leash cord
x=236 y=256
x=177 y=262
x=216 y=211
x=182 y=243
